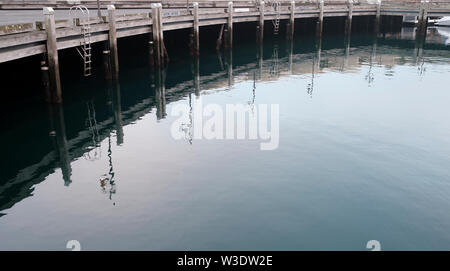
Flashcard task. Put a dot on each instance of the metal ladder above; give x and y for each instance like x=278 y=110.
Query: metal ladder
x=85 y=45
x=276 y=22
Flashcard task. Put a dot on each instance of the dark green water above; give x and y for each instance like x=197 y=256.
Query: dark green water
x=363 y=154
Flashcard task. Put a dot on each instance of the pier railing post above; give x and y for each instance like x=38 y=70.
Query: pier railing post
x=114 y=57
x=230 y=25
x=261 y=22
x=196 y=30
x=52 y=54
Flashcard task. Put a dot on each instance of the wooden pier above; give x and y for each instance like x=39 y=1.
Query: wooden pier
x=50 y=35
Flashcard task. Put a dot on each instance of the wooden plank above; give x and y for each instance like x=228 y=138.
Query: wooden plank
x=15 y=28
x=21 y=52
x=58 y=24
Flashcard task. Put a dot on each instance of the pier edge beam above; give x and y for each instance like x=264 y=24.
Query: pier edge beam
x=261 y=22
x=292 y=21
x=230 y=25
x=114 y=58
x=319 y=29
x=196 y=30
x=348 y=26
x=52 y=54
x=378 y=17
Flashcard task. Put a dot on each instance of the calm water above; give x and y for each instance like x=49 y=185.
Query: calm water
x=364 y=154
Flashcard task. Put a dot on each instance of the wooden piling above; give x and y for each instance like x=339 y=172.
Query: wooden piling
x=107 y=64
x=196 y=30
x=156 y=31
x=292 y=21
x=151 y=53
x=114 y=55
x=261 y=22
x=348 y=26
x=378 y=17
x=52 y=55
x=422 y=19
x=319 y=29
x=46 y=82
x=230 y=25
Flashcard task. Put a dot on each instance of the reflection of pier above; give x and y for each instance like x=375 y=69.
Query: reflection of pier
x=67 y=149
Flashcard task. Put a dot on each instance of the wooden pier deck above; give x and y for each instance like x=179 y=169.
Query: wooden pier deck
x=49 y=36
x=19 y=41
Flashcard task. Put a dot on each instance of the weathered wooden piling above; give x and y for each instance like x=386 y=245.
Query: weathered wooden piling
x=196 y=30
x=422 y=19
x=52 y=55
x=151 y=53
x=114 y=55
x=46 y=82
x=157 y=33
x=319 y=28
x=291 y=22
x=348 y=25
x=378 y=17
x=230 y=26
x=261 y=22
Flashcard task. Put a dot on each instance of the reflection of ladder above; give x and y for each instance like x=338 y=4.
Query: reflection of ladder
x=276 y=21
x=275 y=70
x=85 y=45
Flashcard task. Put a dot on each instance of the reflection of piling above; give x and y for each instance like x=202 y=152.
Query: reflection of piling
x=117 y=108
x=196 y=75
x=52 y=55
x=230 y=67
x=290 y=53
x=58 y=129
x=318 y=51
x=160 y=95
x=260 y=56
x=347 y=49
